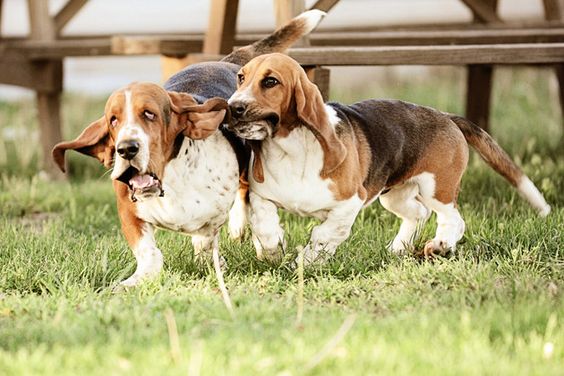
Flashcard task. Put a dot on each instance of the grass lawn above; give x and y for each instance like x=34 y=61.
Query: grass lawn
x=496 y=307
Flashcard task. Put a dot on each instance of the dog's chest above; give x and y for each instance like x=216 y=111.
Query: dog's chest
x=291 y=168
x=199 y=186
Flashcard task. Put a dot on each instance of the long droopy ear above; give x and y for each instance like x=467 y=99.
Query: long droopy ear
x=202 y=120
x=94 y=141
x=311 y=110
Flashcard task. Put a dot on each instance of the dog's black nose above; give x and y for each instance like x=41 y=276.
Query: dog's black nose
x=128 y=149
x=237 y=109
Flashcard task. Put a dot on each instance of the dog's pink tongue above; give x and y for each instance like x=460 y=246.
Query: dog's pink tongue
x=141 y=181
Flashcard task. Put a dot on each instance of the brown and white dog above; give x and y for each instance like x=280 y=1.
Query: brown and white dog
x=172 y=168
x=331 y=160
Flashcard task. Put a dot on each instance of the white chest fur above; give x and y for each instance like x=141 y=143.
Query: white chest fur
x=291 y=174
x=200 y=185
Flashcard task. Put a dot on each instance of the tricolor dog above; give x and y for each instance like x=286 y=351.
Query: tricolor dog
x=331 y=160
x=172 y=168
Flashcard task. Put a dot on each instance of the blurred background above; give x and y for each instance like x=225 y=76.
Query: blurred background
x=525 y=117
x=100 y=75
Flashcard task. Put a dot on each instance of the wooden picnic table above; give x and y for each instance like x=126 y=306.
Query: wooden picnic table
x=36 y=61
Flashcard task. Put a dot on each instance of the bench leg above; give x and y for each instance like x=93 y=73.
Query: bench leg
x=321 y=77
x=49 y=77
x=49 y=110
x=560 y=75
x=478 y=95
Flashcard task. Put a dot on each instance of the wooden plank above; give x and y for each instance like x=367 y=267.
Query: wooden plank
x=174 y=45
x=433 y=37
x=478 y=94
x=39 y=50
x=40 y=76
x=41 y=24
x=432 y=55
x=483 y=10
x=220 y=34
x=324 y=5
x=71 y=8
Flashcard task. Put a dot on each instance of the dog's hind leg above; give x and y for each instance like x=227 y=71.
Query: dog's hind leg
x=403 y=201
x=442 y=200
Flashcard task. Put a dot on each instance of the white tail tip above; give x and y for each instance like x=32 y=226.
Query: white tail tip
x=528 y=190
x=311 y=18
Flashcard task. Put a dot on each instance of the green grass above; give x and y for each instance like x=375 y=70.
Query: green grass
x=493 y=308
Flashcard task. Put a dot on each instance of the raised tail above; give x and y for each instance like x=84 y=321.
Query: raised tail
x=498 y=159
x=279 y=40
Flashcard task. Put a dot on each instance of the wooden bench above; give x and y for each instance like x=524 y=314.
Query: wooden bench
x=36 y=62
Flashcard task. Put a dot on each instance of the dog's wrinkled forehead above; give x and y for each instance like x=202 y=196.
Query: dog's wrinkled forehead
x=131 y=103
x=265 y=65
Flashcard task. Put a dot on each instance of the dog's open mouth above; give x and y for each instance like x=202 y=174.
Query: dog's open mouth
x=141 y=184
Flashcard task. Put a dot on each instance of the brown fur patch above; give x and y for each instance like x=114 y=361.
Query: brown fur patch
x=131 y=225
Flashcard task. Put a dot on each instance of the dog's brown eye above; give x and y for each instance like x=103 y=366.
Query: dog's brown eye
x=241 y=79
x=149 y=115
x=113 y=121
x=269 y=82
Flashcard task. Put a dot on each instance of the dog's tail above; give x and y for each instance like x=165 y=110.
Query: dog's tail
x=279 y=40
x=498 y=159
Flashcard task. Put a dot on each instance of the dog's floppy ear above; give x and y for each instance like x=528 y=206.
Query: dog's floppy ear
x=94 y=141
x=310 y=109
x=201 y=120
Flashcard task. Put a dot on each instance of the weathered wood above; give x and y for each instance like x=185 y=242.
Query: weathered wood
x=560 y=76
x=153 y=45
x=38 y=75
x=48 y=107
x=478 y=94
x=553 y=10
x=285 y=10
x=180 y=45
x=41 y=24
x=71 y=8
x=220 y=34
x=434 y=37
x=1 y=9
x=483 y=10
x=321 y=77
x=520 y=53
x=324 y=5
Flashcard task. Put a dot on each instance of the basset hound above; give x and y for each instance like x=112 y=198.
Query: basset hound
x=172 y=168
x=331 y=160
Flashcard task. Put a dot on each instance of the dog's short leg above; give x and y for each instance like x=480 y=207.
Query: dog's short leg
x=326 y=237
x=265 y=226
x=149 y=257
x=238 y=215
x=403 y=202
x=204 y=245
